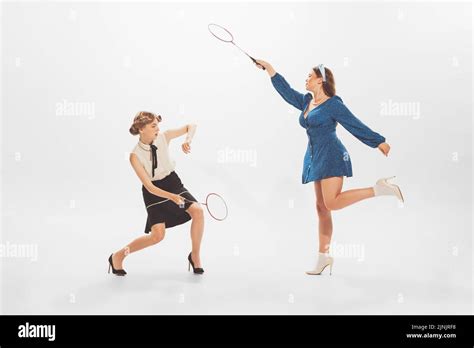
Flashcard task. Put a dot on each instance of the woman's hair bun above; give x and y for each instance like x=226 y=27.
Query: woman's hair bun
x=141 y=119
x=133 y=130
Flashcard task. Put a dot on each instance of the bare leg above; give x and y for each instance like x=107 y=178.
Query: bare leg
x=325 y=220
x=334 y=199
x=156 y=236
x=197 y=230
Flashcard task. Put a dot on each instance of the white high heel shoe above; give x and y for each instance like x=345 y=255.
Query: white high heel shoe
x=323 y=262
x=384 y=188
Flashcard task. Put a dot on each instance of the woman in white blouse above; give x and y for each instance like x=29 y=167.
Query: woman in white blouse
x=162 y=189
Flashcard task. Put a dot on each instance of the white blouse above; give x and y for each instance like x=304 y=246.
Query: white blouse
x=165 y=163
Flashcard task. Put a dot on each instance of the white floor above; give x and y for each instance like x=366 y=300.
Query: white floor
x=404 y=269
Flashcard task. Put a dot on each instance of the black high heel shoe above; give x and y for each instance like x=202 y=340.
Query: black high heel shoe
x=191 y=263
x=119 y=272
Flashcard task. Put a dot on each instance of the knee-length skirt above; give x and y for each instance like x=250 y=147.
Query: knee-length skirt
x=161 y=210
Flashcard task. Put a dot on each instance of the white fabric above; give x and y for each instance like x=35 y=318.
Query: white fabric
x=165 y=163
x=323 y=260
x=383 y=188
x=322 y=71
x=191 y=131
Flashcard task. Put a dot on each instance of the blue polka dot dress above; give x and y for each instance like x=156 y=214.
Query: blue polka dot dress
x=325 y=154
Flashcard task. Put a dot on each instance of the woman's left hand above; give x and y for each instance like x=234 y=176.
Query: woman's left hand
x=186 y=147
x=384 y=148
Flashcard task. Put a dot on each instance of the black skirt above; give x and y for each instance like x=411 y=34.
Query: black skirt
x=167 y=212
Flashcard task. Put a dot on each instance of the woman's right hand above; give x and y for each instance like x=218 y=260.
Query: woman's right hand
x=268 y=67
x=177 y=199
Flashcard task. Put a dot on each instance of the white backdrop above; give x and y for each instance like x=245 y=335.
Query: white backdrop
x=75 y=74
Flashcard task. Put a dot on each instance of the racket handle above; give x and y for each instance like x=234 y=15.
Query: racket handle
x=182 y=205
x=257 y=63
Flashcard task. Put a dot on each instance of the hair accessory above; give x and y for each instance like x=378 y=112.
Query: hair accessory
x=322 y=71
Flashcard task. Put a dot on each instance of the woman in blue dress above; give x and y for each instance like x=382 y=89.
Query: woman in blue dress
x=326 y=160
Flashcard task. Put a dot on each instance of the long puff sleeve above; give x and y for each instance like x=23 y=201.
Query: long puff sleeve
x=355 y=126
x=290 y=95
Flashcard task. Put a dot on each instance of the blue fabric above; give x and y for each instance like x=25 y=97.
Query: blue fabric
x=325 y=154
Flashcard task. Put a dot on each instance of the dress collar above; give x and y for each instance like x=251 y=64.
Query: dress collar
x=153 y=155
x=144 y=146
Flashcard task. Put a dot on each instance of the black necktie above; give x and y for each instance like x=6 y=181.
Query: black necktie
x=154 y=159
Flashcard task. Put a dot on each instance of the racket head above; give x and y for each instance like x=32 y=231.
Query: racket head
x=220 y=32
x=216 y=206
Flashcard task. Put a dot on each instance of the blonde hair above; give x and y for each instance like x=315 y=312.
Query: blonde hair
x=141 y=119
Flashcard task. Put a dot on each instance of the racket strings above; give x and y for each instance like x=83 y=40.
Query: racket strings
x=216 y=206
x=220 y=33
x=224 y=35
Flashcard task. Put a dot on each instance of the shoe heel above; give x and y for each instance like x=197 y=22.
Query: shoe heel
x=330 y=269
x=198 y=270
x=120 y=272
x=400 y=193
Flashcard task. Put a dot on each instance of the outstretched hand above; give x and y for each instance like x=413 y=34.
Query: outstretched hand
x=384 y=148
x=268 y=67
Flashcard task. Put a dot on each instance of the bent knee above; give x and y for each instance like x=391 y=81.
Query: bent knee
x=157 y=234
x=322 y=209
x=331 y=204
x=157 y=237
x=196 y=211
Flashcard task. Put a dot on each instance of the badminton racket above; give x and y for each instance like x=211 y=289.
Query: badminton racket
x=215 y=205
x=225 y=35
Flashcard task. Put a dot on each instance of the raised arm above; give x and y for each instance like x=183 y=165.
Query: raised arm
x=355 y=126
x=188 y=129
x=143 y=176
x=289 y=94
